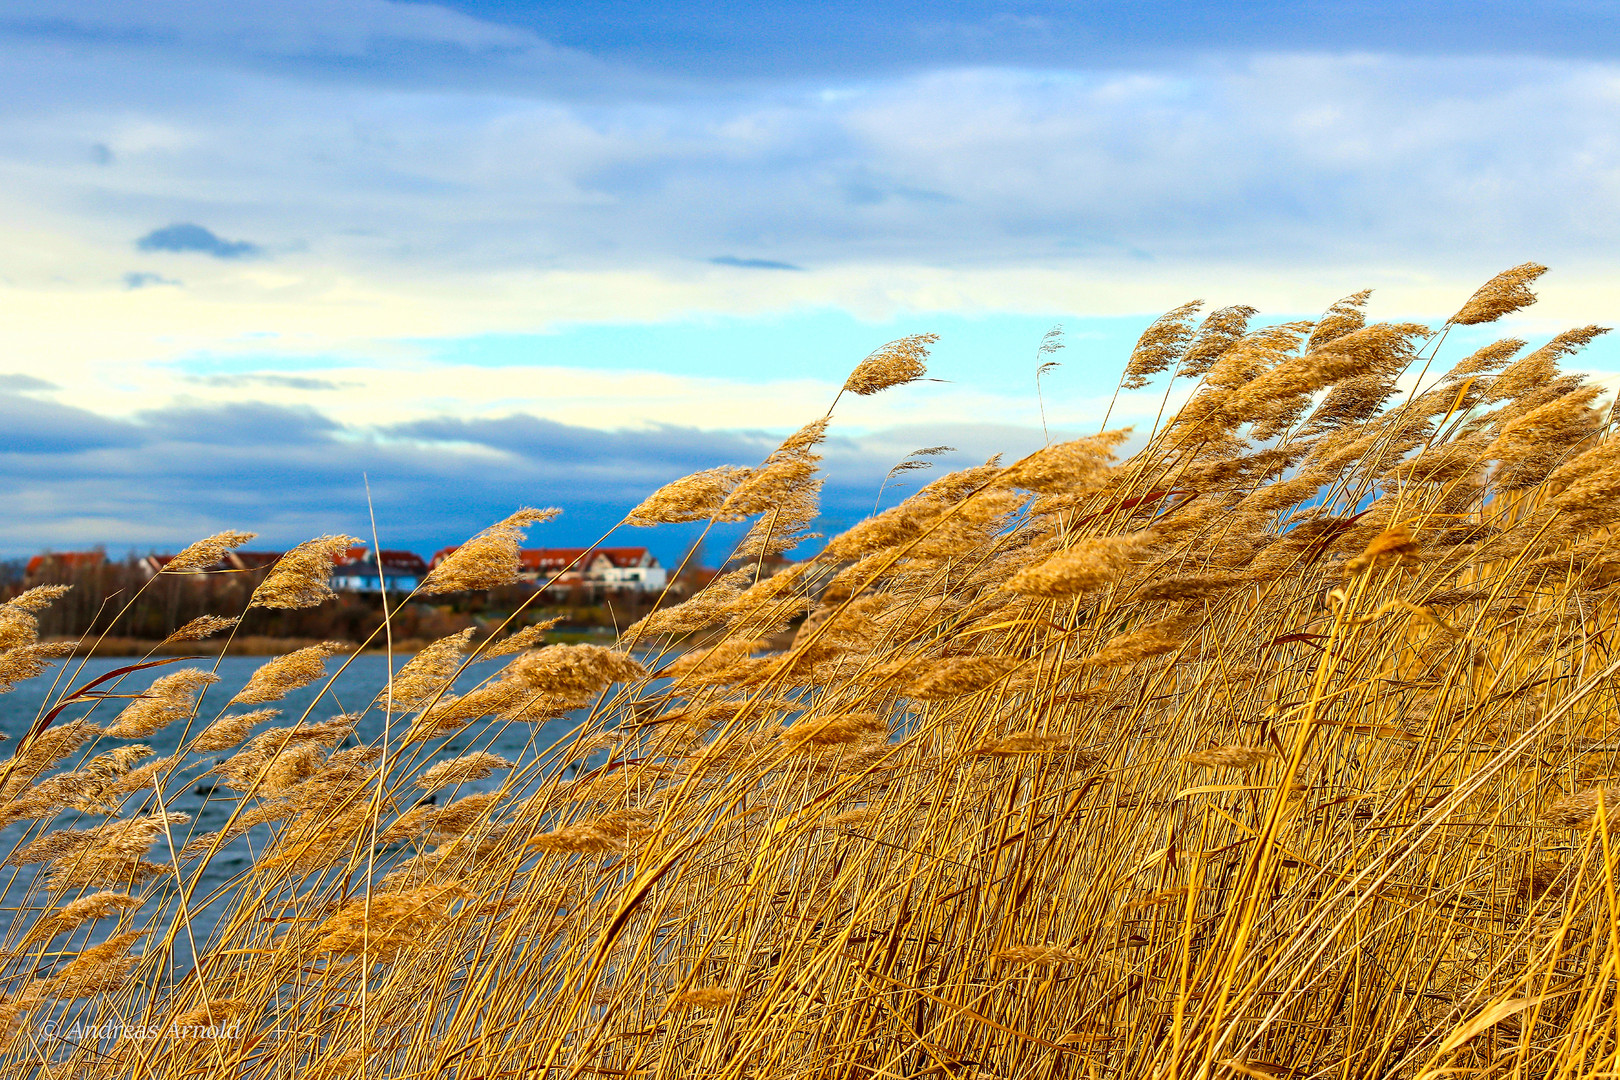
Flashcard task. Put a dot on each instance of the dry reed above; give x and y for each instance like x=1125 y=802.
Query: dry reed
x=1280 y=748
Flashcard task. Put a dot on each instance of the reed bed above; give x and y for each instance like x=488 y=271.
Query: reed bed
x=1284 y=746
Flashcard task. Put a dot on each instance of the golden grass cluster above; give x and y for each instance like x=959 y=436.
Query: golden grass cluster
x=1281 y=747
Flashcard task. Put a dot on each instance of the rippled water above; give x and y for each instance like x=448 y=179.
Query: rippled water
x=207 y=807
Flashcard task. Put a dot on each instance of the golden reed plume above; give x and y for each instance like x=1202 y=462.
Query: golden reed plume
x=1276 y=741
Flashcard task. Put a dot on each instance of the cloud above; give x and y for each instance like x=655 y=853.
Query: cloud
x=541 y=439
x=184 y=236
x=239 y=424
x=752 y=264
x=43 y=428
x=18 y=383
x=171 y=475
x=141 y=279
x=1283 y=163
x=279 y=382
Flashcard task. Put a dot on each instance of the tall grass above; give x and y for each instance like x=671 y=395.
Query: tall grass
x=1276 y=749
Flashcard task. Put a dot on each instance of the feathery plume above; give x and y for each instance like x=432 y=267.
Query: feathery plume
x=1227 y=757
x=489 y=560
x=1540 y=367
x=460 y=770
x=705 y=997
x=1504 y=294
x=24 y=662
x=77 y=912
x=203 y=626
x=386 y=924
x=519 y=640
x=1025 y=743
x=1160 y=345
x=206 y=553
x=1067 y=466
x=1343 y=317
x=575 y=672
x=301 y=578
x=836 y=729
x=170 y=698
x=789 y=469
x=227 y=731
x=97 y=970
x=276 y=679
x=1351 y=401
x=17 y=627
x=426 y=674
x=1578 y=810
x=1190 y=587
x=1220 y=330
x=1394 y=545
x=37 y=598
x=960 y=675
x=696 y=613
x=1041 y=955
x=1085 y=567
x=577 y=840
x=1154 y=639
x=1486 y=359
x=895 y=364
x=691 y=498
x=1383 y=349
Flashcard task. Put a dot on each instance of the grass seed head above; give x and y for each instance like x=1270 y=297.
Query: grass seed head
x=1504 y=294
x=691 y=498
x=227 y=731
x=705 y=997
x=25 y=662
x=1161 y=345
x=1227 y=757
x=169 y=698
x=895 y=364
x=204 y=554
x=203 y=626
x=460 y=770
x=1578 y=811
x=960 y=675
x=302 y=577
x=487 y=561
x=278 y=678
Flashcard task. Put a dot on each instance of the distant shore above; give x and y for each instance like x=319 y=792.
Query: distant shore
x=253 y=645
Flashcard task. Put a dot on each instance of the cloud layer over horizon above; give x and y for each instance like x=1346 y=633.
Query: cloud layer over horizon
x=304 y=240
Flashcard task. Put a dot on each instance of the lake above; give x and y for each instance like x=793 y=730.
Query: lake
x=365 y=676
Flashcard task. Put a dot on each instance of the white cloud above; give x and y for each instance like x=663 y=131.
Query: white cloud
x=388 y=213
x=1276 y=165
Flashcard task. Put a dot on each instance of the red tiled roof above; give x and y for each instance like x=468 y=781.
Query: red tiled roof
x=579 y=558
x=552 y=560
x=398 y=562
x=65 y=560
x=251 y=560
x=403 y=560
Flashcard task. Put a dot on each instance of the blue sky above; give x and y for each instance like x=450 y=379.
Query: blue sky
x=501 y=253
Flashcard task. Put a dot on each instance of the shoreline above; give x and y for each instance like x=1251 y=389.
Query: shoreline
x=256 y=645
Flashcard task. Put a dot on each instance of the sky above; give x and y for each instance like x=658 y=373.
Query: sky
x=286 y=266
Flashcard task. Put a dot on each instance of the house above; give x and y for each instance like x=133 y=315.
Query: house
x=358 y=571
x=595 y=568
x=58 y=563
x=153 y=565
x=250 y=560
x=624 y=568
